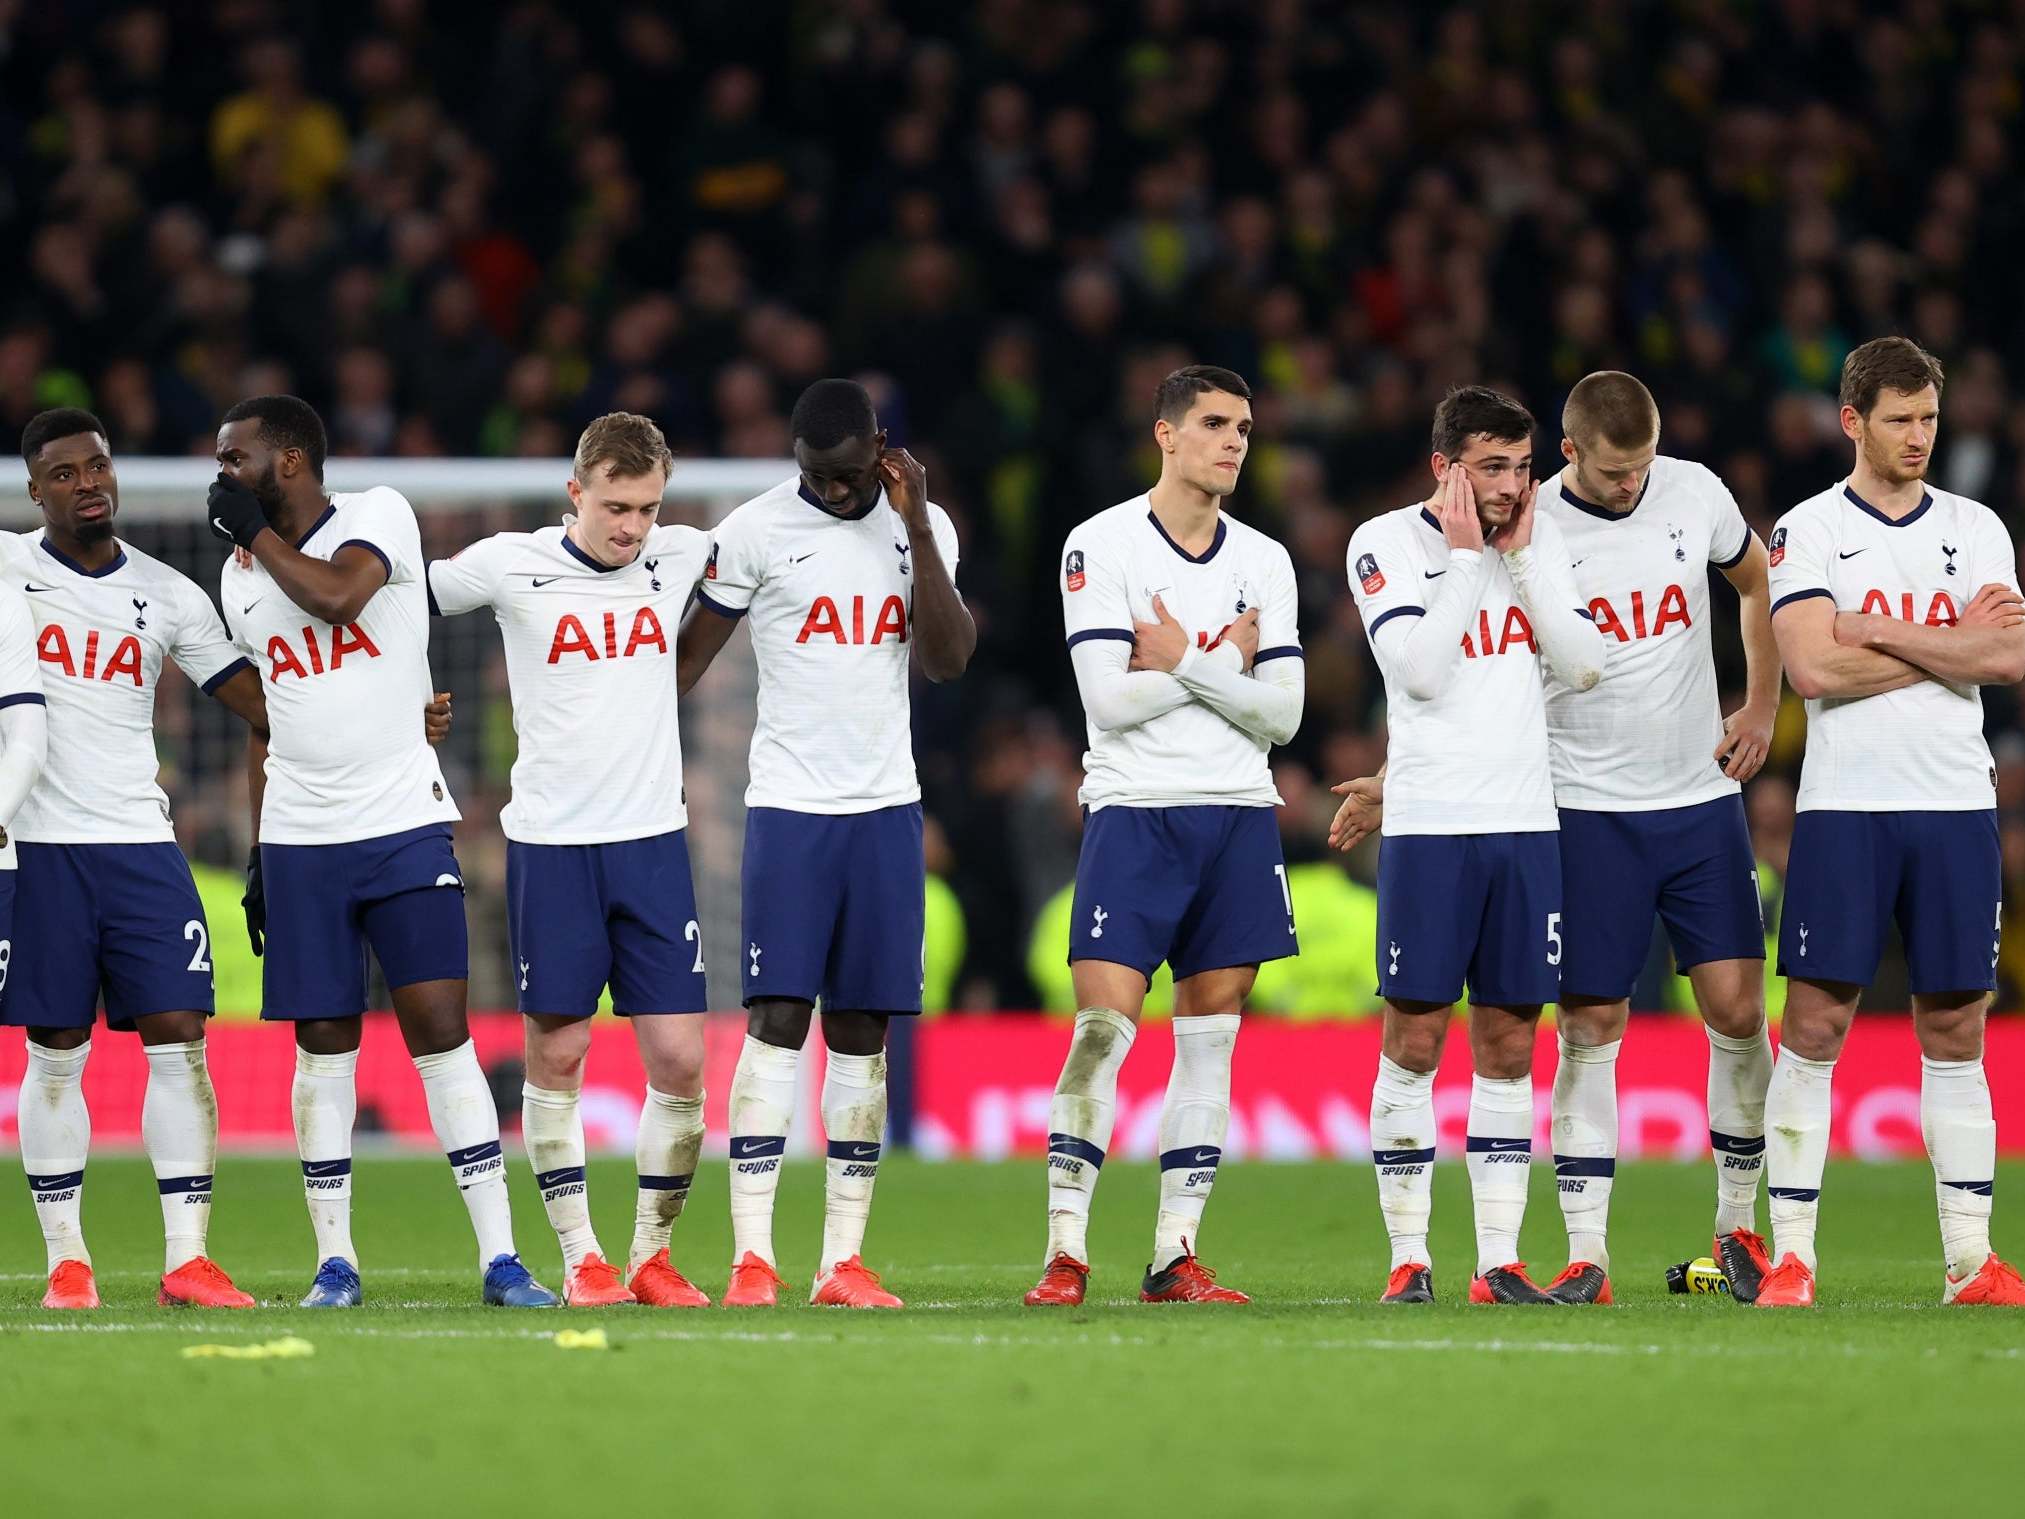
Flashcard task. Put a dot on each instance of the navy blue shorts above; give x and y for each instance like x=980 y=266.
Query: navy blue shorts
x=581 y=916
x=1202 y=888
x=1850 y=874
x=119 y=919
x=402 y=894
x=6 y=935
x=1691 y=865
x=1476 y=908
x=834 y=907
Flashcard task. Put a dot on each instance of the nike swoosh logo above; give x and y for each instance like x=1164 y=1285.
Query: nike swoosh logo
x=219 y=523
x=1432 y=574
x=550 y=581
x=37 y=589
x=810 y=555
x=251 y=605
x=862 y=1152
x=1851 y=554
x=325 y=1167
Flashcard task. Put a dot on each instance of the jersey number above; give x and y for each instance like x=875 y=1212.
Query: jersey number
x=200 y=958
x=6 y=959
x=1286 y=895
x=694 y=930
x=1553 y=938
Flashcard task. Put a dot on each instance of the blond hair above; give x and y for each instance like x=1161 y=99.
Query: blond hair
x=629 y=443
x=1611 y=407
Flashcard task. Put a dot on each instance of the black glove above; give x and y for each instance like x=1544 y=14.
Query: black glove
x=234 y=512
x=255 y=901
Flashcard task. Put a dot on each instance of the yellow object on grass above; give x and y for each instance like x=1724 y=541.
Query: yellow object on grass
x=581 y=1339
x=287 y=1348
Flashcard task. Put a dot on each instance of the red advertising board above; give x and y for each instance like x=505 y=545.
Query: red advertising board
x=982 y=1085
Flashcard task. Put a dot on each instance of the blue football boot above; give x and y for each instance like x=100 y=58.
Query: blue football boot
x=336 y=1286
x=507 y=1285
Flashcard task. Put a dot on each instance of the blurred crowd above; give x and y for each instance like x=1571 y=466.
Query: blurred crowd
x=463 y=230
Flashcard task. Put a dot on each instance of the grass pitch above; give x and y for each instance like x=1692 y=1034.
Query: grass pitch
x=1312 y=1400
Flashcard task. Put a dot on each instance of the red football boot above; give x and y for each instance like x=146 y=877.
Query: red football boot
x=201 y=1283
x=1745 y=1263
x=1062 y=1284
x=1580 y=1282
x=754 y=1284
x=1187 y=1280
x=1412 y=1282
x=1791 y=1284
x=851 y=1284
x=71 y=1285
x=659 y=1285
x=1507 y=1284
x=1994 y=1284
x=595 y=1284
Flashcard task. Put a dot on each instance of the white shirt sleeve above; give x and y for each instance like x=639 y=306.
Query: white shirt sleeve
x=1097 y=614
x=1570 y=642
x=382 y=520
x=1266 y=702
x=1993 y=558
x=1729 y=534
x=470 y=578
x=736 y=566
x=24 y=718
x=1799 y=560
x=945 y=537
x=1418 y=641
x=200 y=646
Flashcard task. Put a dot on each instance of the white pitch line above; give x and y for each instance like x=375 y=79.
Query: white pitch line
x=1378 y=1345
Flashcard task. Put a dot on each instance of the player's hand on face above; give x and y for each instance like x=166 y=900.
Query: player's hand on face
x=1363 y=809
x=1245 y=634
x=1158 y=645
x=1459 y=524
x=436 y=717
x=1995 y=606
x=906 y=485
x=234 y=511
x=1746 y=741
x=1517 y=533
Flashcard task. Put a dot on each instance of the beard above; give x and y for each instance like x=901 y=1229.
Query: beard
x=94 y=532
x=267 y=491
x=1887 y=465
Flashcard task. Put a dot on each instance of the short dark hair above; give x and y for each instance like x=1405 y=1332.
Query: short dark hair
x=1611 y=407
x=1883 y=364
x=1177 y=393
x=286 y=422
x=1469 y=410
x=61 y=422
x=831 y=411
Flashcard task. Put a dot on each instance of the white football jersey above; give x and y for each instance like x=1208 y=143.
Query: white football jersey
x=831 y=602
x=1474 y=758
x=1113 y=565
x=1920 y=749
x=347 y=758
x=100 y=639
x=1646 y=737
x=20 y=681
x=590 y=664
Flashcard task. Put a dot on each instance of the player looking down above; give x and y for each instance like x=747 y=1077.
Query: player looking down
x=597 y=856
x=847 y=576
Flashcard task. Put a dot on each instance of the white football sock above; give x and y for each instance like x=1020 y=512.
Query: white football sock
x=762 y=1107
x=1585 y=1145
x=1402 y=1149
x=179 y=1128
x=552 y=1128
x=1961 y=1136
x=461 y=1112
x=854 y=1118
x=1500 y=1160
x=1739 y=1072
x=1796 y=1151
x=1079 y=1125
x=664 y=1158
x=1193 y=1120
x=326 y=1101
x=55 y=1139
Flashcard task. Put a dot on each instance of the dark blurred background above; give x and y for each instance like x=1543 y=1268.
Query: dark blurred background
x=464 y=230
